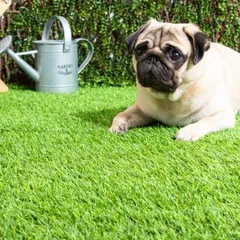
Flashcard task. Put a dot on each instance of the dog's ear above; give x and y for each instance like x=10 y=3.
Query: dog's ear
x=132 y=39
x=199 y=41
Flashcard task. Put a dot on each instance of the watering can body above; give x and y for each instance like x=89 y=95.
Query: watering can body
x=56 y=61
x=58 y=71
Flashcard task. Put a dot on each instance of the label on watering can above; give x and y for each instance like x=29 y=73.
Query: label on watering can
x=65 y=69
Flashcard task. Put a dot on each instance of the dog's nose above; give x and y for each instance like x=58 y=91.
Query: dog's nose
x=153 y=59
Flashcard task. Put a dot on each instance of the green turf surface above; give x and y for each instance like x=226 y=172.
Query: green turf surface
x=63 y=176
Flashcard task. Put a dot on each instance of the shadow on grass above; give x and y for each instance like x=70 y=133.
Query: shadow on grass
x=104 y=117
x=101 y=117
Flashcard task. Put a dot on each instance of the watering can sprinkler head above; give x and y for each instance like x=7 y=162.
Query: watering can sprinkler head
x=5 y=44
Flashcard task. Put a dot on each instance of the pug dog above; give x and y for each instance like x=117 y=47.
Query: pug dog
x=182 y=79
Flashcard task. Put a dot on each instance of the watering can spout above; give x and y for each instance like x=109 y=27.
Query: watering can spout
x=33 y=74
x=5 y=44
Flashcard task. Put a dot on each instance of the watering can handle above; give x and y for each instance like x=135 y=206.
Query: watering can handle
x=89 y=56
x=66 y=29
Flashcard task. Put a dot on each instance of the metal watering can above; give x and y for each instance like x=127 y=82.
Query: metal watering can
x=56 y=61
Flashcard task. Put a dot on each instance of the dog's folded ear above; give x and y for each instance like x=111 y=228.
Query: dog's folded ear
x=199 y=41
x=132 y=39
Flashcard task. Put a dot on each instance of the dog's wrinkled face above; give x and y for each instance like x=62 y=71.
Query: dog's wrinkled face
x=164 y=51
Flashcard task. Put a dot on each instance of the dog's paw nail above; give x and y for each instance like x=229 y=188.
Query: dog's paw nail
x=119 y=126
x=189 y=138
x=118 y=129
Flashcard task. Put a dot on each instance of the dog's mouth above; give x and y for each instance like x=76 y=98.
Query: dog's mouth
x=153 y=73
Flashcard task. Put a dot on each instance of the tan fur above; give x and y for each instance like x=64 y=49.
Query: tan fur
x=207 y=98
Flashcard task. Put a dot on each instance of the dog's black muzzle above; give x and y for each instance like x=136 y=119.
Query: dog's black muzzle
x=153 y=73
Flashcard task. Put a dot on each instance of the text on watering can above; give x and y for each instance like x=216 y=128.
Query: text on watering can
x=65 y=69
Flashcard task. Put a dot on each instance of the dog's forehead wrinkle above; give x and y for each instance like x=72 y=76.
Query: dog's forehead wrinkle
x=161 y=34
x=150 y=36
x=158 y=36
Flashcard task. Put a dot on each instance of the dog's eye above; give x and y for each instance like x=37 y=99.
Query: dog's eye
x=140 y=50
x=173 y=54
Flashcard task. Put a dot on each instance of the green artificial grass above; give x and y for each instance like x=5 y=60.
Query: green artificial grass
x=63 y=176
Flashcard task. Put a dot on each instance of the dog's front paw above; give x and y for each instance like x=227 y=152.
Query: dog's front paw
x=119 y=126
x=190 y=133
